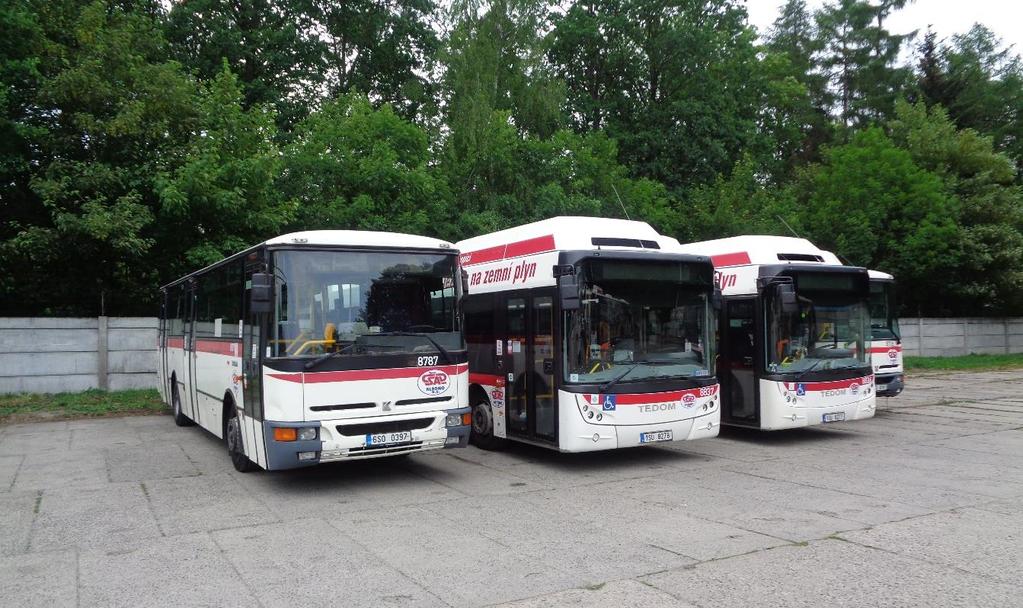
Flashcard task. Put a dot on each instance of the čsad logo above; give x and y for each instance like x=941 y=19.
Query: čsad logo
x=434 y=382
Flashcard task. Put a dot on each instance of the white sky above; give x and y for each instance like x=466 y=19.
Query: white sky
x=947 y=17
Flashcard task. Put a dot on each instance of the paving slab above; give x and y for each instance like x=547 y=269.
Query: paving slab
x=623 y=594
x=60 y=468
x=310 y=563
x=558 y=538
x=187 y=570
x=9 y=466
x=111 y=516
x=154 y=461
x=832 y=573
x=978 y=541
x=620 y=508
x=203 y=503
x=450 y=559
x=17 y=511
x=40 y=579
x=33 y=441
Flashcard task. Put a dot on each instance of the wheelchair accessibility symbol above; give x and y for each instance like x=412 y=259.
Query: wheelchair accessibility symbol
x=800 y=389
x=609 y=403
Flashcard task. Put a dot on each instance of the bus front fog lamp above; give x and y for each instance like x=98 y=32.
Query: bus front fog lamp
x=308 y=433
x=307 y=455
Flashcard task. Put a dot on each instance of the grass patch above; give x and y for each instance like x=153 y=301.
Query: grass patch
x=32 y=407
x=971 y=362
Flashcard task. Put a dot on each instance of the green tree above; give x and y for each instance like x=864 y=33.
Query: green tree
x=355 y=167
x=269 y=44
x=223 y=196
x=861 y=57
x=110 y=112
x=685 y=99
x=744 y=202
x=383 y=48
x=869 y=202
x=985 y=89
x=989 y=274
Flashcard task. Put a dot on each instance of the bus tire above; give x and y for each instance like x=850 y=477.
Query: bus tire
x=180 y=418
x=481 y=433
x=233 y=441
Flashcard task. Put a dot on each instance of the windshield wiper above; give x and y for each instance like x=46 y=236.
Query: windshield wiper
x=443 y=351
x=800 y=375
x=607 y=385
x=322 y=358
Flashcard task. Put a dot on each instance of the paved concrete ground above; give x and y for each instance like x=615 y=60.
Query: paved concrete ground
x=922 y=506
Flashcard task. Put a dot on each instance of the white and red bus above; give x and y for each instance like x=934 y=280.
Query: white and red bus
x=885 y=337
x=320 y=346
x=793 y=330
x=588 y=334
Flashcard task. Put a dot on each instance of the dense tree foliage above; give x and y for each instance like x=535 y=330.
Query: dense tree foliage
x=140 y=139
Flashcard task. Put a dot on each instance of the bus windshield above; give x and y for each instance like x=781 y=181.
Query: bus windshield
x=364 y=303
x=884 y=323
x=639 y=320
x=826 y=332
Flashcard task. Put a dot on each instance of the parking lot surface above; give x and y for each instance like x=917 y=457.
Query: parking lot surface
x=920 y=506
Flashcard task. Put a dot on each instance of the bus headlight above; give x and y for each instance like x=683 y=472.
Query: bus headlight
x=458 y=419
x=308 y=433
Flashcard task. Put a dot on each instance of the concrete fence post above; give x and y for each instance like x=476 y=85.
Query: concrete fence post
x=1005 y=330
x=920 y=335
x=102 y=359
x=966 y=336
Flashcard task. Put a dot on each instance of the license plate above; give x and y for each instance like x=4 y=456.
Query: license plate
x=388 y=438
x=655 y=436
x=834 y=417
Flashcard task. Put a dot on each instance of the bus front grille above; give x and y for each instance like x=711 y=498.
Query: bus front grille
x=389 y=426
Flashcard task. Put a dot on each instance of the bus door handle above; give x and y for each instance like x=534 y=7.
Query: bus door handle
x=747 y=361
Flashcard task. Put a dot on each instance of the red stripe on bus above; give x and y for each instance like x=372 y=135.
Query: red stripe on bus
x=730 y=259
x=367 y=374
x=517 y=249
x=647 y=398
x=175 y=342
x=232 y=348
x=487 y=379
x=884 y=349
x=829 y=386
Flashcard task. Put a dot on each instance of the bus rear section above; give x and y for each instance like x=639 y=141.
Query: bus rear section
x=588 y=334
x=793 y=334
x=885 y=336
x=349 y=346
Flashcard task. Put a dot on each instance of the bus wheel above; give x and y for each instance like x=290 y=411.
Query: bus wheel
x=482 y=432
x=235 y=449
x=179 y=417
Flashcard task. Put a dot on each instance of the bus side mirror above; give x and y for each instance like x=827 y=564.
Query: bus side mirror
x=568 y=292
x=465 y=281
x=787 y=297
x=715 y=299
x=259 y=294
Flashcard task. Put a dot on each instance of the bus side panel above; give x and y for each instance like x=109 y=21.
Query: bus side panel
x=218 y=371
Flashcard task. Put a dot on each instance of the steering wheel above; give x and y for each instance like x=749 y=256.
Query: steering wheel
x=601 y=365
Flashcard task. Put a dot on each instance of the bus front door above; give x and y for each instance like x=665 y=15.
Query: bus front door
x=531 y=411
x=738 y=356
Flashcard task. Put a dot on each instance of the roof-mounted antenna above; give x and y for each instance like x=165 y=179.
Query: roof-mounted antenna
x=624 y=210
x=794 y=233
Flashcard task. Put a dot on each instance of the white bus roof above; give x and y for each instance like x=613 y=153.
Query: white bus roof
x=337 y=238
x=880 y=276
x=560 y=233
x=761 y=249
x=358 y=238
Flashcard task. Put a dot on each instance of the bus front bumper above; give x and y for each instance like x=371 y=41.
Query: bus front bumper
x=890 y=386
x=331 y=445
